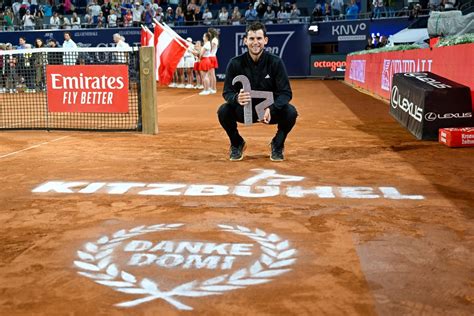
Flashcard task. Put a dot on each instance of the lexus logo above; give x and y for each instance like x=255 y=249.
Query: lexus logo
x=431 y=116
x=395 y=97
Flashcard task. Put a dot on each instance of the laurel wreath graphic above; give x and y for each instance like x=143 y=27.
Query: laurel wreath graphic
x=95 y=263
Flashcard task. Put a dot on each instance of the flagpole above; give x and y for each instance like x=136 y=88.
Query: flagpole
x=172 y=33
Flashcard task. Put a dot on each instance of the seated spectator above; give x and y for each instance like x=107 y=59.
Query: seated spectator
x=295 y=14
x=250 y=14
x=65 y=23
x=352 y=12
x=101 y=20
x=285 y=13
x=223 y=16
x=269 y=15
x=75 y=21
x=54 y=21
x=236 y=16
x=207 y=17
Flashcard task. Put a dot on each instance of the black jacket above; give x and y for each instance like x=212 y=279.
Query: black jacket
x=267 y=74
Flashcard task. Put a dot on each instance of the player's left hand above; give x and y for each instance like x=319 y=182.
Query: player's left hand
x=267 y=117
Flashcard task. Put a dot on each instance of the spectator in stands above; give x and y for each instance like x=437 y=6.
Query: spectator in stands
x=415 y=12
x=169 y=16
x=8 y=19
x=236 y=16
x=69 y=58
x=137 y=12
x=75 y=21
x=370 y=44
x=336 y=8
x=54 y=22
x=295 y=14
x=124 y=6
x=101 y=20
x=39 y=17
x=189 y=16
x=269 y=15
x=40 y=63
x=179 y=16
x=352 y=12
x=128 y=18
x=285 y=13
x=112 y=19
x=197 y=14
x=21 y=42
x=94 y=10
x=192 y=6
x=207 y=17
x=16 y=10
x=159 y=15
x=327 y=11
x=434 y=5
x=223 y=16
x=382 y=41
x=250 y=14
x=28 y=21
x=65 y=23
x=275 y=6
x=377 y=8
x=150 y=14
x=261 y=8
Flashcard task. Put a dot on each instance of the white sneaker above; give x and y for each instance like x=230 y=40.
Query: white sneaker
x=172 y=85
x=213 y=91
x=181 y=85
x=200 y=86
x=196 y=87
x=2 y=90
x=189 y=86
x=205 y=92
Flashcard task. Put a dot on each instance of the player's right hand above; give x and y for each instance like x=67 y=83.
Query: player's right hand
x=243 y=97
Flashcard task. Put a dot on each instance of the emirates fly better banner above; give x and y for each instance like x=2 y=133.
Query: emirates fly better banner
x=87 y=88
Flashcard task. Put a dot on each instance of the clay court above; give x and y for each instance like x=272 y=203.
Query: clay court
x=360 y=219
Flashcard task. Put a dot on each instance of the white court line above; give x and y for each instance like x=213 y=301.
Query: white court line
x=162 y=106
x=31 y=147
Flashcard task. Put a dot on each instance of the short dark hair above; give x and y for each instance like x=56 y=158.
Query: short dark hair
x=255 y=26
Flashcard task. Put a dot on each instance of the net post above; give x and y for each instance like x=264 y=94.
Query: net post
x=148 y=91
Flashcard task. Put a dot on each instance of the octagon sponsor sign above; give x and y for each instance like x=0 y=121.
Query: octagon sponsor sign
x=87 y=88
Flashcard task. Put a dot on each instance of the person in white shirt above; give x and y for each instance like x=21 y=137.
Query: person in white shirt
x=75 y=21
x=112 y=19
x=120 y=57
x=205 y=64
x=28 y=21
x=213 y=57
x=207 y=17
x=69 y=58
x=54 y=21
x=137 y=12
x=223 y=16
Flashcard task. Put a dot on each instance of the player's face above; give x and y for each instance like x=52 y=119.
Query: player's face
x=255 y=42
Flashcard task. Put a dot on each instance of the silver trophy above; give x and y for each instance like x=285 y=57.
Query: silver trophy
x=259 y=108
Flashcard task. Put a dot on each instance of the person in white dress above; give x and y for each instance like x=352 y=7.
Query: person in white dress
x=213 y=56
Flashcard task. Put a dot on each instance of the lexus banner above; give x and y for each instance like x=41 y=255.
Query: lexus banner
x=87 y=88
x=424 y=102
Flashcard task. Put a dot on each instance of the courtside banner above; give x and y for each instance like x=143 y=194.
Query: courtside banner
x=374 y=72
x=87 y=88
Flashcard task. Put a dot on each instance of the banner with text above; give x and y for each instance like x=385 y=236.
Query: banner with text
x=87 y=88
x=374 y=72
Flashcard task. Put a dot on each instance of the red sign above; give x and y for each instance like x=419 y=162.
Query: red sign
x=374 y=72
x=87 y=88
x=457 y=137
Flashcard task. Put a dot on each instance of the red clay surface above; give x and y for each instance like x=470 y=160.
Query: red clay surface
x=353 y=256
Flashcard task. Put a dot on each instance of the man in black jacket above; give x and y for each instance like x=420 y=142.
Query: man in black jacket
x=266 y=72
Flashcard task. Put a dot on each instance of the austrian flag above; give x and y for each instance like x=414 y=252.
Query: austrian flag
x=146 y=37
x=168 y=50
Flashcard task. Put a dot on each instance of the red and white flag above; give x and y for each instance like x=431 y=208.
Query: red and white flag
x=168 y=51
x=147 y=38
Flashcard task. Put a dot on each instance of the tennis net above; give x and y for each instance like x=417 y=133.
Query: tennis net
x=80 y=89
